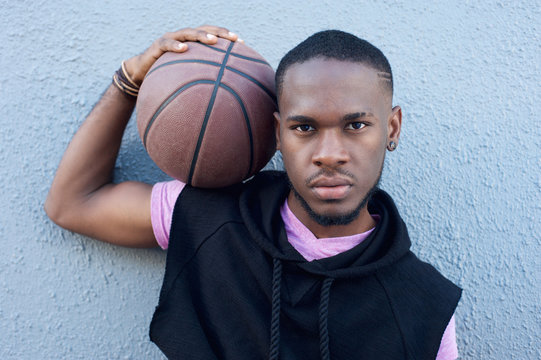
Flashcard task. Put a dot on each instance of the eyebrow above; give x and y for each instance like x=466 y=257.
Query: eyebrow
x=346 y=118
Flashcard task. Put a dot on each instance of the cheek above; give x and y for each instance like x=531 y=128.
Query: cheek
x=296 y=160
x=378 y=145
x=291 y=160
x=370 y=158
x=287 y=153
x=292 y=150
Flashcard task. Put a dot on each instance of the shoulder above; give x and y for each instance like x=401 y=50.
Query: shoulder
x=264 y=184
x=209 y=208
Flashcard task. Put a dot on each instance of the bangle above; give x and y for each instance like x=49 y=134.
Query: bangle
x=127 y=76
x=124 y=82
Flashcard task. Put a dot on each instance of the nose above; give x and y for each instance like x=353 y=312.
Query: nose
x=330 y=151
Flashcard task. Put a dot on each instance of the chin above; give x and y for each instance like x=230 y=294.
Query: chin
x=331 y=212
x=336 y=219
x=329 y=217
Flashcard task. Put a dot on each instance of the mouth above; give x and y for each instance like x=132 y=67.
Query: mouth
x=335 y=188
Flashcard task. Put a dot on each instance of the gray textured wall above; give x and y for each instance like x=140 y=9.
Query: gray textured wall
x=466 y=175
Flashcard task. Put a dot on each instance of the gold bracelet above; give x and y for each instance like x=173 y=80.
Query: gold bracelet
x=124 y=82
x=123 y=87
x=125 y=73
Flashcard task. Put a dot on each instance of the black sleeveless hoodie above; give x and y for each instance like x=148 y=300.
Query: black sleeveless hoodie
x=234 y=287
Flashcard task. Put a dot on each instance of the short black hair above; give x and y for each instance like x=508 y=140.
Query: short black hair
x=339 y=45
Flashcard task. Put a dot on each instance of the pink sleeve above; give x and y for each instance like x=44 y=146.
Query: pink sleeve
x=162 y=202
x=448 y=349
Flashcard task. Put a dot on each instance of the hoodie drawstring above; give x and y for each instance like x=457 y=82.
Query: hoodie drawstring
x=274 y=350
x=323 y=319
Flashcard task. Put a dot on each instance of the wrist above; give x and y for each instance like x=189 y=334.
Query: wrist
x=131 y=70
x=124 y=82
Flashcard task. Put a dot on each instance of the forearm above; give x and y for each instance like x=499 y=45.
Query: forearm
x=89 y=160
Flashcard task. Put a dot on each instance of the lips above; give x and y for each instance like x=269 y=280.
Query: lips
x=330 y=188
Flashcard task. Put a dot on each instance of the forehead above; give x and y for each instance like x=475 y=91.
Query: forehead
x=323 y=83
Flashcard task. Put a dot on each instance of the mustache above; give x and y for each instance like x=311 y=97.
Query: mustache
x=329 y=173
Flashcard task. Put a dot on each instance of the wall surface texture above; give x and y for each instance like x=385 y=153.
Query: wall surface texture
x=466 y=176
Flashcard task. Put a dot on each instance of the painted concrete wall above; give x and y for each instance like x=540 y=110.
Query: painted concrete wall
x=465 y=177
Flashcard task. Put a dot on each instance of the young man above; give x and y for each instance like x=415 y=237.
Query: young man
x=311 y=263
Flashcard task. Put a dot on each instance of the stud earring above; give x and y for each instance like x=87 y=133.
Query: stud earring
x=391 y=146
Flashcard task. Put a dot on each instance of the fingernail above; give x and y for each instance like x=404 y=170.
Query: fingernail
x=211 y=37
x=182 y=46
x=240 y=40
x=232 y=34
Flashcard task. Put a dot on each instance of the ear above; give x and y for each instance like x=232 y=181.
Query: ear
x=394 y=124
x=277 y=129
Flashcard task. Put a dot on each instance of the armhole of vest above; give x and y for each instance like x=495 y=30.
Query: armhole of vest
x=168 y=278
x=174 y=223
x=454 y=293
x=454 y=298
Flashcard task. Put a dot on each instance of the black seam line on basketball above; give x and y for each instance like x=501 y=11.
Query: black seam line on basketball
x=183 y=61
x=167 y=101
x=255 y=81
x=250 y=59
x=238 y=55
x=213 y=48
x=207 y=114
x=247 y=119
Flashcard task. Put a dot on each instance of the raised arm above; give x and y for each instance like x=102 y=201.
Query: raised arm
x=82 y=197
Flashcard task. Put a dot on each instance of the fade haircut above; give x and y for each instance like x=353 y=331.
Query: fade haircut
x=339 y=45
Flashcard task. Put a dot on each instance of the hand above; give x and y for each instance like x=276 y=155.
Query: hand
x=138 y=66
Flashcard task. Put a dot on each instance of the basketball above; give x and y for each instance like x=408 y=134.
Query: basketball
x=205 y=116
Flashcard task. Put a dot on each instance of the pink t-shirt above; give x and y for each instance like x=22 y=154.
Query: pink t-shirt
x=164 y=197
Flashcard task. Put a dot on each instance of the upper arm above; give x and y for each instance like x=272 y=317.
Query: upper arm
x=115 y=213
x=448 y=349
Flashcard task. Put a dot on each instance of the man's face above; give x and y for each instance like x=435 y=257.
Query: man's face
x=334 y=124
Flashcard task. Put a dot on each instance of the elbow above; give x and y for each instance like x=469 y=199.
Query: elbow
x=56 y=211
x=52 y=209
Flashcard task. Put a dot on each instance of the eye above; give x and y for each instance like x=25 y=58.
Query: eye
x=357 y=125
x=303 y=128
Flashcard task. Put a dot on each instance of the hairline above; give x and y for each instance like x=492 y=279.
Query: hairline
x=383 y=76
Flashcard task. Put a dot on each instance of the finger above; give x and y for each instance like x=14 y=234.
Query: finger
x=138 y=66
x=165 y=44
x=207 y=34
x=220 y=32
x=190 y=34
x=158 y=48
x=174 y=41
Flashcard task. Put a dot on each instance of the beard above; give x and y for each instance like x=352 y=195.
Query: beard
x=340 y=219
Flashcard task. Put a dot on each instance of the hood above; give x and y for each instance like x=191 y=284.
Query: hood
x=259 y=205
x=260 y=208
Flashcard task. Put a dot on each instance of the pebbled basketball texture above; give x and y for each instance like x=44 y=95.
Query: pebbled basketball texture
x=206 y=115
